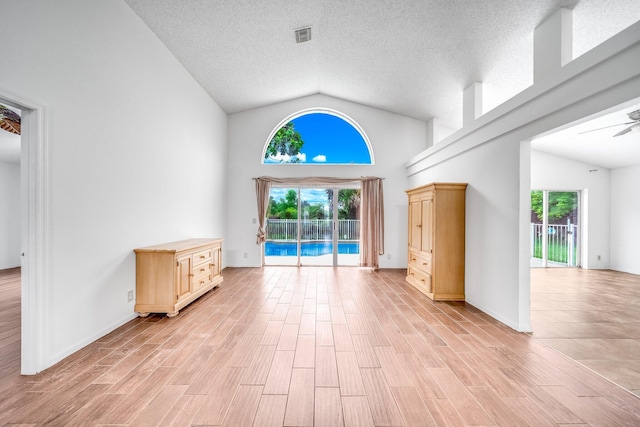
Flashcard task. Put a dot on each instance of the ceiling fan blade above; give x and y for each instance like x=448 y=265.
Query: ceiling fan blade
x=626 y=130
x=605 y=127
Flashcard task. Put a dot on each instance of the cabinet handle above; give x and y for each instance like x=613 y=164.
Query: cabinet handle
x=419 y=225
x=190 y=275
x=202 y=282
x=424 y=263
x=202 y=269
x=202 y=257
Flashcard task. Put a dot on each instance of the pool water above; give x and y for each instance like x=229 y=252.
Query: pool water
x=309 y=248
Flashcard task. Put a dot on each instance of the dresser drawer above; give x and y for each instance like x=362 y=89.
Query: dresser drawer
x=200 y=281
x=201 y=270
x=420 y=280
x=420 y=262
x=202 y=257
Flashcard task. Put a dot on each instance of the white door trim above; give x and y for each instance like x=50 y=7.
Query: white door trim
x=33 y=170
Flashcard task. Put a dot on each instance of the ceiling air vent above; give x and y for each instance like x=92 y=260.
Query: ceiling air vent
x=303 y=34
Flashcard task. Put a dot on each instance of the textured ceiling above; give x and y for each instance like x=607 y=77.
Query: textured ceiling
x=412 y=57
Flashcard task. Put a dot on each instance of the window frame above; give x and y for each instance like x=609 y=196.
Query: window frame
x=317 y=110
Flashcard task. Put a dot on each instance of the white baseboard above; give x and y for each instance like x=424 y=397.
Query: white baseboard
x=519 y=328
x=68 y=352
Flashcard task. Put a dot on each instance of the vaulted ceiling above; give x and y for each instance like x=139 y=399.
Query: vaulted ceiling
x=412 y=57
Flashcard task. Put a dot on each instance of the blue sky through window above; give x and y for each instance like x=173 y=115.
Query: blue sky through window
x=329 y=139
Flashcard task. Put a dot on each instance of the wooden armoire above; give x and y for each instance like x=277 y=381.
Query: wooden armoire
x=436 y=240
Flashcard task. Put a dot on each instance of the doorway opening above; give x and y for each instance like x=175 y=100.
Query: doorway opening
x=555 y=228
x=313 y=226
x=10 y=242
x=32 y=160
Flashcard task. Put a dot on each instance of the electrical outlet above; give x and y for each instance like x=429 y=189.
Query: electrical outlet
x=245 y=255
x=129 y=296
x=388 y=256
x=599 y=257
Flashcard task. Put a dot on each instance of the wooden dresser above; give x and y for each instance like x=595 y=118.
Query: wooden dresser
x=172 y=275
x=436 y=240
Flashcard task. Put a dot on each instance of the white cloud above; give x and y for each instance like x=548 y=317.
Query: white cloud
x=321 y=158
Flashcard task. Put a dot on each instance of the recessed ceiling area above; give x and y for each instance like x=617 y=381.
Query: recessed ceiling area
x=591 y=140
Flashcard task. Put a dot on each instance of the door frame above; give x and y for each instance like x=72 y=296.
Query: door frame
x=33 y=229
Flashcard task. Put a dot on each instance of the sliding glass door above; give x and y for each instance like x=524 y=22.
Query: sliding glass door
x=282 y=245
x=316 y=225
x=348 y=226
x=313 y=226
x=555 y=236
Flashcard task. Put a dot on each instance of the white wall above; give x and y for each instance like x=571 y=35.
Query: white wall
x=393 y=137
x=136 y=154
x=9 y=214
x=491 y=261
x=549 y=172
x=625 y=227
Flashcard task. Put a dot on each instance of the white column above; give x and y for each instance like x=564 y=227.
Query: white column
x=552 y=44
x=433 y=131
x=471 y=103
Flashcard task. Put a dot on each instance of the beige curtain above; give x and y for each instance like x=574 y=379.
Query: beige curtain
x=371 y=222
x=263 y=188
x=371 y=217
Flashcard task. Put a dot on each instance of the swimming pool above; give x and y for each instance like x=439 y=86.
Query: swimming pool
x=309 y=248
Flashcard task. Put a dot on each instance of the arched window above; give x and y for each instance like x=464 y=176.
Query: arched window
x=315 y=137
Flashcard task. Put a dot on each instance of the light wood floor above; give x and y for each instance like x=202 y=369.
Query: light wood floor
x=316 y=346
x=593 y=316
x=9 y=322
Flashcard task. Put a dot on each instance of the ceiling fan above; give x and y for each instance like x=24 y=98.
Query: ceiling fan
x=634 y=116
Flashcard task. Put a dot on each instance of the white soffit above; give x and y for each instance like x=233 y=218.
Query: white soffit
x=413 y=57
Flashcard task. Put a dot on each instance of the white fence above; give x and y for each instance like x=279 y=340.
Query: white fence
x=312 y=229
x=562 y=240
